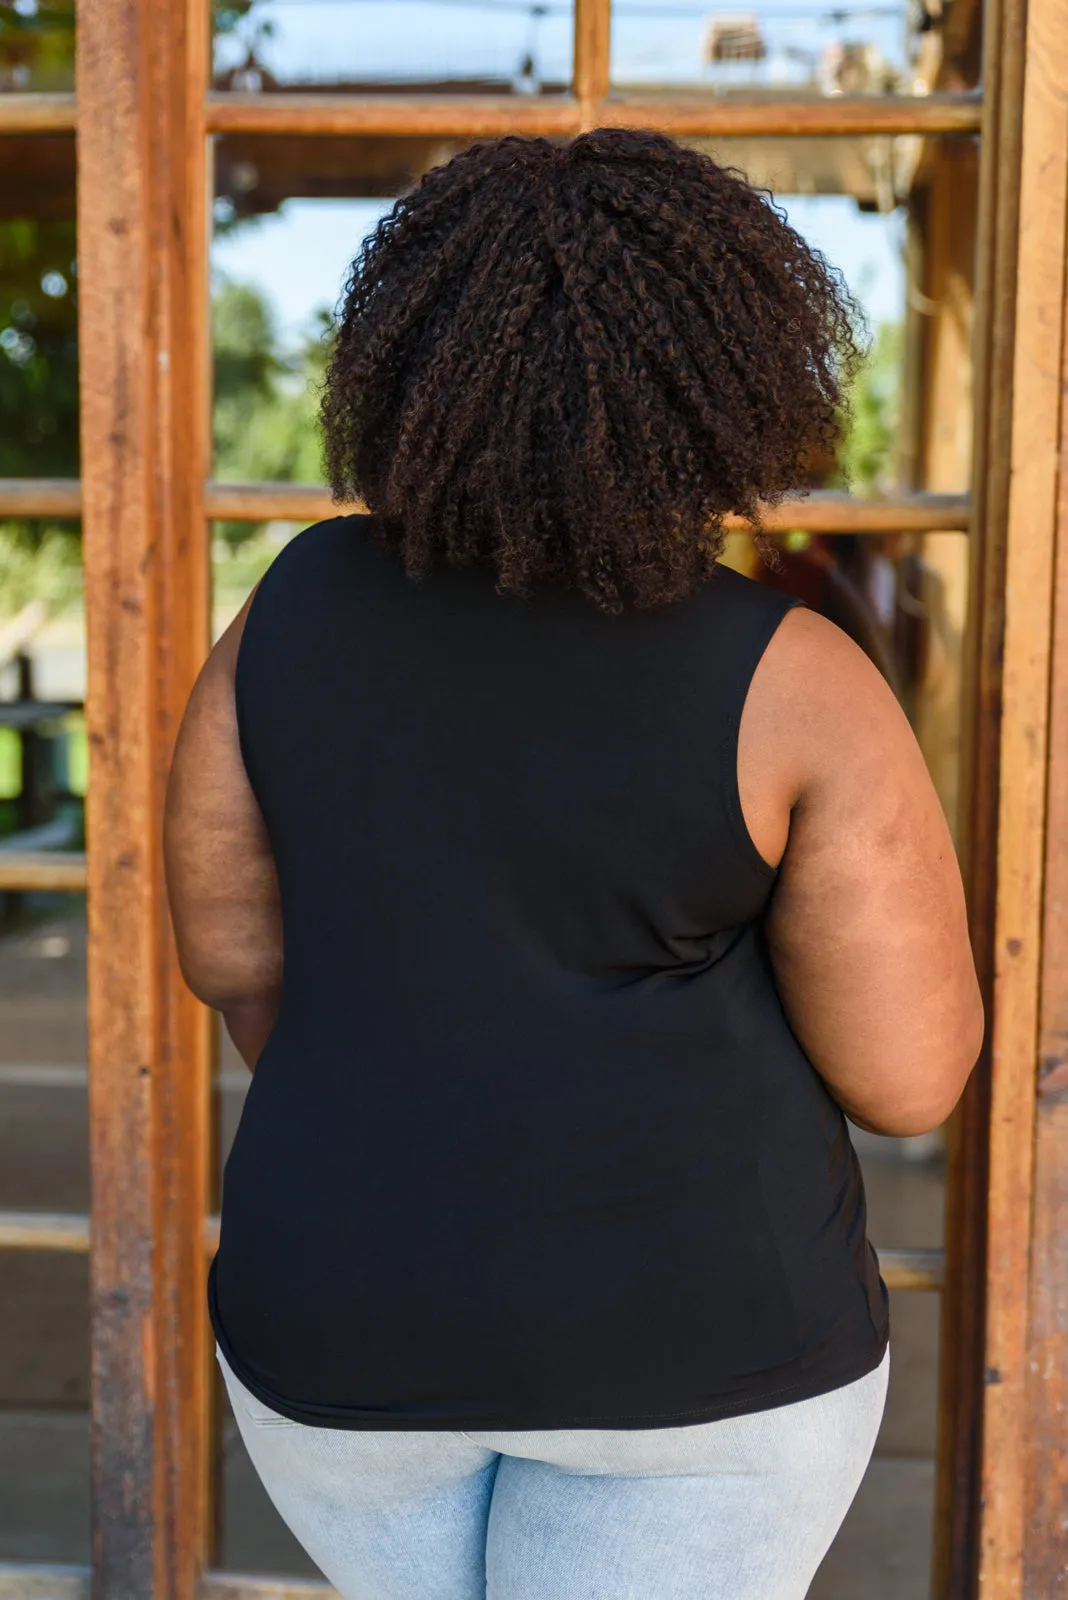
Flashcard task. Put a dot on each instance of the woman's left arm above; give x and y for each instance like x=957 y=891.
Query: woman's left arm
x=221 y=879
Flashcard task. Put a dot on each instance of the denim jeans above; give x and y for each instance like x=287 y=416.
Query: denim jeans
x=739 y=1509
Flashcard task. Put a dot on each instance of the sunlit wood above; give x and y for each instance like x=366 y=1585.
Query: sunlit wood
x=825 y=512
x=43 y=870
x=593 y=24
x=1010 y=1448
x=53 y=1231
x=456 y=117
x=37 y=113
x=40 y=497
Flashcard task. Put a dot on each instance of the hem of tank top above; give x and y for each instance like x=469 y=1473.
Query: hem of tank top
x=347 y=1417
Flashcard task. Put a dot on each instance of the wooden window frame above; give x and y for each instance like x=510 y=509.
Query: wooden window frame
x=143 y=115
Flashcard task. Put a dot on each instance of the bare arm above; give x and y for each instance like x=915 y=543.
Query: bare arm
x=867 y=928
x=221 y=879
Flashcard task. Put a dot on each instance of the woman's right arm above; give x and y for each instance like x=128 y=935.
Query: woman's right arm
x=867 y=927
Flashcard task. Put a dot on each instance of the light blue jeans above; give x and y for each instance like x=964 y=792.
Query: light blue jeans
x=739 y=1509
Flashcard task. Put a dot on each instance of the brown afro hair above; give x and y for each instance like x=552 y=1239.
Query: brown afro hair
x=570 y=360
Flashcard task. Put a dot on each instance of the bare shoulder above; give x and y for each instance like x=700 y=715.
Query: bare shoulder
x=817 y=711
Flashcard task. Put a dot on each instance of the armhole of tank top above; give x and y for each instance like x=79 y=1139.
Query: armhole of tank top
x=744 y=839
x=264 y=583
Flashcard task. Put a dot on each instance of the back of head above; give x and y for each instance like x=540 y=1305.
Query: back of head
x=570 y=361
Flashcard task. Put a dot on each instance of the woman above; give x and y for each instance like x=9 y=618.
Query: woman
x=609 y=880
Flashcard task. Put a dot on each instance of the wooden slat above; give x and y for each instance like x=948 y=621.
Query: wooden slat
x=817 y=513
x=962 y=1388
x=30 y=1230
x=593 y=26
x=40 y=497
x=306 y=502
x=442 y=116
x=257 y=1586
x=477 y=116
x=26 y=1581
x=142 y=220
x=1029 y=575
x=58 y=872
x=1046 y=1486
x=37 y=113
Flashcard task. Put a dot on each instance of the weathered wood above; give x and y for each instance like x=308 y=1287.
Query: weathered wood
x=26 y=1581
x=828 y=512
x=43 y=869
x=456 y=117
x=592 y=36
x=257 y=1586
x=41 y=1230
x=1045 y=1570
x=142 y=243
x=37 y=113
x=1007 y=1446
x=40 y=497
x=962 y=1345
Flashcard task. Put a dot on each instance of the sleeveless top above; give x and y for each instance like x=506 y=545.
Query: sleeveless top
x=531 y=1143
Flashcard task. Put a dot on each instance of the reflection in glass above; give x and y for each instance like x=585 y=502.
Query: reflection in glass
x=36 y=46
x=38 y=345
x=291 y=215
x=878 y=47
x=454 y=46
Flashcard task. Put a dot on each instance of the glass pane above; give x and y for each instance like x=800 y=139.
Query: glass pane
x=44 y=1332
x=454 y=46
x=282 y=250
x=36 y=45
x=889 y=48
x=38 y=320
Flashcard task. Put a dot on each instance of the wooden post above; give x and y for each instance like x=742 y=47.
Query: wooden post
x=1046 y=1411
x=593 y=24
x=142 y=239
x=1025 y=1295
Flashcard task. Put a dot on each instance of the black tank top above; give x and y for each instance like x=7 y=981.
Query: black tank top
x=531 y=1144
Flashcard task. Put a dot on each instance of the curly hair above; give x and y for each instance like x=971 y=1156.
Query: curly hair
x=571 y=360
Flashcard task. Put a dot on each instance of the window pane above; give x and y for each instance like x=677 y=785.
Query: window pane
x=455 y=46
x=290 y=216
x=38 y=324
x=880 y=48
x=36 y=46
x=44 y=1332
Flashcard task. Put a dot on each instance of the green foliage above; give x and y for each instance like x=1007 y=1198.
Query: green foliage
x=868 y=460
x=266 y=404
x=39 y=561
x=38 y=350
x=36 y=45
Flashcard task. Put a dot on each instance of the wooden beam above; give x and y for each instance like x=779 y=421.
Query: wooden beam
x=37 y=113
x=51 y=870
x=30 y=1581
x=1009 y=1448
x=40 y=497
x=828 y=512
x=40 y=1230
x=305 y=502
x=1046 y=1485
x=962 y=1357
x=258 y=1586
x=592 y=36
x=142 y=220
x=479 y=116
